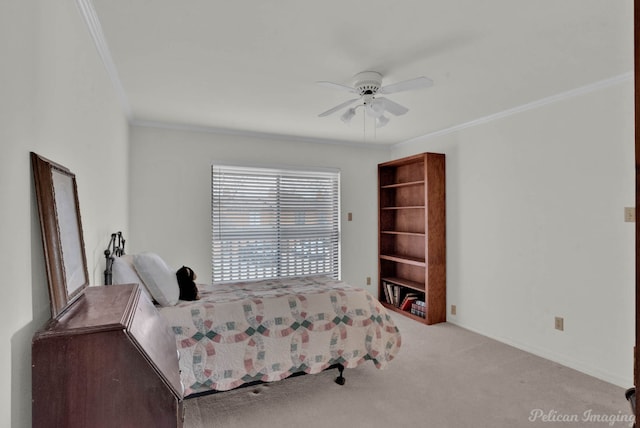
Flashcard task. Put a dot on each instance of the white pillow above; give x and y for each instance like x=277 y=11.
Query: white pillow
x=159 y=278
x=123 y=272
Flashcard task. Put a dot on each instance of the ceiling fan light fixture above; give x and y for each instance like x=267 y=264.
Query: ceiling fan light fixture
x=375 y=108
x=348 y=115
x=381 y=121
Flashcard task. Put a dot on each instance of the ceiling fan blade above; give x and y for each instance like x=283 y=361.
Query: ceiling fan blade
x=392 y=107
x=338 y=107
x=406 y=85
x=337 y=86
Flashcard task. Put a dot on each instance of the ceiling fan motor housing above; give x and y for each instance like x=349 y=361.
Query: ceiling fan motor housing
x=367 y=82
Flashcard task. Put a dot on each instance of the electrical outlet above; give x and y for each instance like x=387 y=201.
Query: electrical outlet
x=349 y=216
x=454 y=310
x=560 y=323
x=368 y=280
x=629 y=214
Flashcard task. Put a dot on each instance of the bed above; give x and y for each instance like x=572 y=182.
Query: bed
x=260 y=331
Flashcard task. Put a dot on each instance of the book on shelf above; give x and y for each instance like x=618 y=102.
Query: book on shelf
x=401 y=297
x=391 y=292
x=387 y=296
x=419 y=308
x=396 y=294
x=387 y=287
x=408 y=299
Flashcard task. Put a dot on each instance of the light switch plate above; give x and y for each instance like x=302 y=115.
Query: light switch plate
x=629 y=214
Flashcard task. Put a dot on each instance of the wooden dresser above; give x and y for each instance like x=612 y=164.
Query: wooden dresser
x=109 y=360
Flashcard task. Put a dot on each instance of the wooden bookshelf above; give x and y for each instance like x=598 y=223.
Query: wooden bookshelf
x=412 y=235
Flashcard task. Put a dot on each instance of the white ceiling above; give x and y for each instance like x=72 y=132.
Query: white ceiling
x=251 y=66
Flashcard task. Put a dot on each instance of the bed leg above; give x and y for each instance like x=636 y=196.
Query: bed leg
x=340 y=380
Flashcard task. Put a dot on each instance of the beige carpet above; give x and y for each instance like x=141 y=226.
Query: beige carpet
x=444 y=376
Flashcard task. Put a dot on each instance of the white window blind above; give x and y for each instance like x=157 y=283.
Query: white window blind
x=274 y=223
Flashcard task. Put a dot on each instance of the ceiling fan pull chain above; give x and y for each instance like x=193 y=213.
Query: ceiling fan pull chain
x=364 y=127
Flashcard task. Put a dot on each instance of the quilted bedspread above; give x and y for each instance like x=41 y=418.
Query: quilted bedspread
x=267 y=330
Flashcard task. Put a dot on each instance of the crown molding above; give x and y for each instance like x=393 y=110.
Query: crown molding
x=522 y=108
x=90 y=17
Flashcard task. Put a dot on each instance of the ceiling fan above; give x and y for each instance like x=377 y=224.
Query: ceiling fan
x=368 y=85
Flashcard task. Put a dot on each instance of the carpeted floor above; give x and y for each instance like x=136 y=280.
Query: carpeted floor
x=444 y=377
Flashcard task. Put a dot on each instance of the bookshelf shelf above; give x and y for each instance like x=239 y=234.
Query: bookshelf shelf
x=417 y=286
x=411 y=244
x=403 y=208
x=403 y=259
x=396 y=232
x=405 y=313
x=396 y=185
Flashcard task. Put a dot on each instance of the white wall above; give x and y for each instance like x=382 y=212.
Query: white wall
x=56 y=101
x=171 y=193
x=535 y=229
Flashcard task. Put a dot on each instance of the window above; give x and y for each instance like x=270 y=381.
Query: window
x=274 y=223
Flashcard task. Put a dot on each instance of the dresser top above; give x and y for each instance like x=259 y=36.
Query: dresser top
x=99 y=308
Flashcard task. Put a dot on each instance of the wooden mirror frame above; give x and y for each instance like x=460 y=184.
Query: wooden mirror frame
x=61 y=226
x=636 y=80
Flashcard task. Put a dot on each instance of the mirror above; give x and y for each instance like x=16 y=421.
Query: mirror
x=62 y=240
